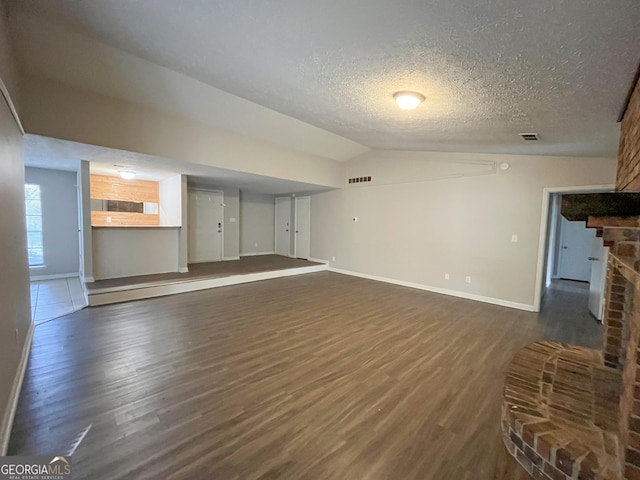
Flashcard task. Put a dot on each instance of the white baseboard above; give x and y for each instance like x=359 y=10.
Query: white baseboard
x=183 y=270
x=318 y=260
x=53 y=277
x=89 y=279
x=444 y=291
x=7 y=420
x=106 y=296
x=226 y=259
x=255 y=254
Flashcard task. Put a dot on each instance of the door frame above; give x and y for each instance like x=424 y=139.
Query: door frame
x=222 y=205
x=275 y=219
x=295 y=217
x=542 y=239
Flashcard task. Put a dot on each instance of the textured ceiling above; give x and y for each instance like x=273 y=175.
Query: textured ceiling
x=489 y=69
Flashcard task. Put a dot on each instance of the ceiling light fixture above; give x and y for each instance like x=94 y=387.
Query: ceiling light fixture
x=408 y=100
x=127 y=174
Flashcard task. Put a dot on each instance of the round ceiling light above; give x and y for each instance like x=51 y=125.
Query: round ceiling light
x=408 y=100
x=127 y=174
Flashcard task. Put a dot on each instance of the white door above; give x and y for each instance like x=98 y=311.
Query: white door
x=599 y=257
x=576 y=242
x=282 y=228
x=206 y=217
x=303 y=227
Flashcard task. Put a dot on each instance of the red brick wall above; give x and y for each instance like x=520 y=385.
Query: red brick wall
x=628 y=178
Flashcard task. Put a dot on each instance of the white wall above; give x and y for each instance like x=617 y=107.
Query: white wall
x=416 y=231
x=126 y=252
x=257 y=223
x=59 y=197
x=170 y=193
x=84 y=195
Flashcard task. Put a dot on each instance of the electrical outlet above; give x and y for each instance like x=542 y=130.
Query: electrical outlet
x=255 y=244
x=108 y=219
x=467 y=279
x=446 y=276
x=333 y=259
x=514 y=238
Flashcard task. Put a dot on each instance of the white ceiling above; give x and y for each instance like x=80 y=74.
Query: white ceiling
x=489 y=69
x=45 y=152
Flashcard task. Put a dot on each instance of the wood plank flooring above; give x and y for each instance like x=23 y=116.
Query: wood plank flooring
x=318 y=376
x=252 y=264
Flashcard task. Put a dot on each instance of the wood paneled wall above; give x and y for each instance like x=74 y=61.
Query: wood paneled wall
x=104 y=187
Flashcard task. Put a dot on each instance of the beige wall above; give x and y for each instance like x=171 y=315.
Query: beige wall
x=427 y=214
x=57 y=110
x=126 y=252
x=257 y=223
x=15 y=320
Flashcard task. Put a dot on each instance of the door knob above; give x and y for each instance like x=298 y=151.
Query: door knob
x=593 y=259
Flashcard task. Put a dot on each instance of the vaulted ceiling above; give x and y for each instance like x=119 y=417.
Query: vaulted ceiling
x=489 y=69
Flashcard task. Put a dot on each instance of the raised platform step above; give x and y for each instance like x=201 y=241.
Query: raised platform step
x=149 y=286
x=560 y=413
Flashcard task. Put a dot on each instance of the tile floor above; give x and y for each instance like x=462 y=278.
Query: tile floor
x=53 y=298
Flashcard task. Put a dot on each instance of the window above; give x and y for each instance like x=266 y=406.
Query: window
x=34 y=225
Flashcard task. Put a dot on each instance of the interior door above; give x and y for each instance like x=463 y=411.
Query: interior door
x=303 y=227
x=599 y=257
x=206 y=223
x=575 y=249
x=282 y=227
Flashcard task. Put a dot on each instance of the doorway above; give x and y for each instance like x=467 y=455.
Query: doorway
x=282 y=227
x=302 y=245
x=206 y=214
x=570 y=250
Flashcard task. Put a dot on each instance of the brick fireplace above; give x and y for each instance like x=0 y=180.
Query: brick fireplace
x=571 y=412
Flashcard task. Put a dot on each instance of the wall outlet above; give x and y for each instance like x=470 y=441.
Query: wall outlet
x=333 y=259
x=514 y=238
x=467 y=279
x=446 y=276
x=255 y=244
x=232 y=220
x=108 y=219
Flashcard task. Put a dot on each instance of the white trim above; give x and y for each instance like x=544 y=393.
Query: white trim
x=89 y=279
x=444 y=291
x=295 y=226
x=255 y=254
x=12 y=108
x=7 y=421
x=227 y=259
x=318 y=260
x=124 y=294
x=275 y=221
x=183 y=270
x=542 y=239
x=53 y=277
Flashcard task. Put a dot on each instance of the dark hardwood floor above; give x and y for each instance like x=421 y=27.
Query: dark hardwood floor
x=319 y=376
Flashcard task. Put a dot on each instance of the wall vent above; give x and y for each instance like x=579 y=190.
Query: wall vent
x=359 y=179
x=530 y=137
